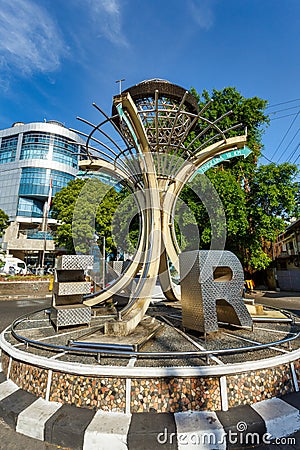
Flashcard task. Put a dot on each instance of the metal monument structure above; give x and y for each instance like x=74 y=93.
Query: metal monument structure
x=80 y=375
x=166 y=140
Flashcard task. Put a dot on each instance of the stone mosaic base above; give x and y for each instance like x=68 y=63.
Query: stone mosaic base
x=175 y=395
x=107 y=394
x=32 y=379
x=161 y=394
x=252 y=387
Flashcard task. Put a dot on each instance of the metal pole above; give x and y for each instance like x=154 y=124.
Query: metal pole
x=44 y=230
x=120 y=84
x=103 y=263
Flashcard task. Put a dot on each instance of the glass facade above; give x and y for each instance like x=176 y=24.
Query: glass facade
x=38 y=145
x=65 y=151
x=8 y=149
x=33 y=156
x=29 y=207
x=59 y=180
x=36 y=181
x=35 y=146
x=34 y=189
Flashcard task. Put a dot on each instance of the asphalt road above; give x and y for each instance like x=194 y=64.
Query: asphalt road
x=9 y=311
x=284 y=300
x=12 y=309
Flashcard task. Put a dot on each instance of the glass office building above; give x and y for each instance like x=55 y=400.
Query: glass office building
x=33 y=156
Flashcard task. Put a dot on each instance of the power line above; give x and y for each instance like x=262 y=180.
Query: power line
x=263 y=156
x=294 y=151
x=290 y=144
x=286 y=133
x=283 y=103
x=281 y=117
x=284 y=109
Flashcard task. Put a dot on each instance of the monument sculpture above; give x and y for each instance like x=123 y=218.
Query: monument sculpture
x=202 y=347
x=167 y=140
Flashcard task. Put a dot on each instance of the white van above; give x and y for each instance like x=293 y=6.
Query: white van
x=13 y=266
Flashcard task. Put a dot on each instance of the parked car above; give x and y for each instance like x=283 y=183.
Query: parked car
x=13 y=266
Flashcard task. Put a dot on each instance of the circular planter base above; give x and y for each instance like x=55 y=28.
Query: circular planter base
x=134 y=385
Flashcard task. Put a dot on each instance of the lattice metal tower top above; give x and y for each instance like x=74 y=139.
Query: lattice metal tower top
x=167 y=112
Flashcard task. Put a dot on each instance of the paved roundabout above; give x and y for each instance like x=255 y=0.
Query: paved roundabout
x=173 y=392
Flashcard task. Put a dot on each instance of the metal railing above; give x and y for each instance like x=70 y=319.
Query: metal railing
x=121 y=351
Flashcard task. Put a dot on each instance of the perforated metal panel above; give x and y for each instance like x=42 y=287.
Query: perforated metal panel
x=63 y=316
x=72 y=288
x=200 y=292
x=120 y=266
x=74 y=262
x=68 y=290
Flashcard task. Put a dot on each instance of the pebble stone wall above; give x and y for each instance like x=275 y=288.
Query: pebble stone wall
x=251 y=387
x=5 y=362
x=175 y=394
x=297 y=370
x=165 y=394
x=107 y=394
x=31 y=378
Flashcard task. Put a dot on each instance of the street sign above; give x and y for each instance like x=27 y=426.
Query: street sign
x=220 y=158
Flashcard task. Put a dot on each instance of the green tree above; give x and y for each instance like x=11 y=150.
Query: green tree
x=84 y=210
x=271 y=201
x=249 y=112
x=4 y=221
x=258 y=200
x=126 y=224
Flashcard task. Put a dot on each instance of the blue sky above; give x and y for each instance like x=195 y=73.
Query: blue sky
x=59 y=56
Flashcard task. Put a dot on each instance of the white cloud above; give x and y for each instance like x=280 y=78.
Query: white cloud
x=29 y=39
x=107 y=16
x=202 y=13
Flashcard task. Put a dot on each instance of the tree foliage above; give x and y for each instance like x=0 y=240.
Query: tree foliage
x=84 y=210
x=258 y=199
x=4 y=221
x=249 y=112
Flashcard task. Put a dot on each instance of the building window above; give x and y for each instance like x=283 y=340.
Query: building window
x=65 y=151
x=8 y=149
x=35 y=145
x=59 y=180
x=35 y=182
x=29 y=207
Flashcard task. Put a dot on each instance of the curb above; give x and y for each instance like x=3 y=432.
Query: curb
x=86 y=429
x=25 y=297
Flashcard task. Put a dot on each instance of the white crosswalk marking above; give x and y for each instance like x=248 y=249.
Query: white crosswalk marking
x=199 y=430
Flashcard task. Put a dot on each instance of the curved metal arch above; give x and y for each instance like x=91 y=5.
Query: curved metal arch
x=91 y=137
